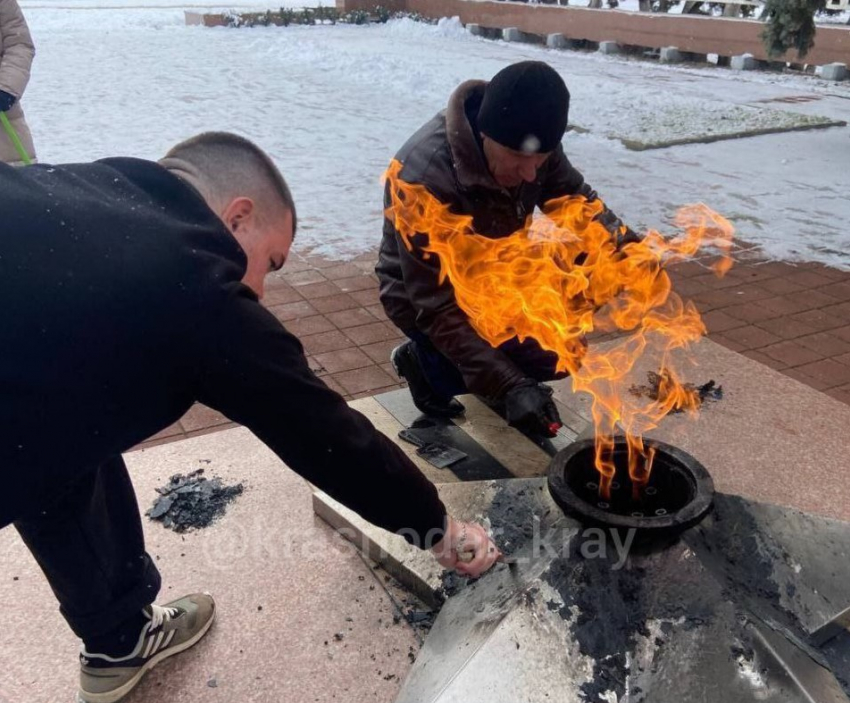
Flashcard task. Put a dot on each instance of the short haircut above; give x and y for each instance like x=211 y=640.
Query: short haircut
x=226 y=166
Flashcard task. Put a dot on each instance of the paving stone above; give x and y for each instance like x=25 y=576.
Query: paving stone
x=369 y=378
x=843 y=358
x=787 y=304
x=302 y=278
x=348 y=270
x=688 y=269
x=818 y=320
x=356 y=283
x=757 y=355
x=316 y=366
x=776 y=268
x=791 y=353
x=841 y=394
x=321 y=289
x=809 y=279
x=174 y=430
x=825 y=343
x=829 y=371
x=355 y=317
x=688 y=287
x=734 y=296
x=367 y=296
x=750 y=273
x=325 y=342
x=376 y=391
x=832 y=273
x=211 y=430
x=713 y=283
x=786 y=328
x=752 y=337
x=838 y=289
x=334 y=303
x=728 y=343
x=780 y=286
x=292 y=311
x=343 y=360
x=751 y=312
x=842 y=333
x=367 y=266
x=306 y=326
x=319 y=262
x=280 y=293
x=718 y=321
x=375 y=332
x=798 y=375
x=334 y=386
x=379 y=352
x=839 y=310
x=201 y=417
x=378 y=311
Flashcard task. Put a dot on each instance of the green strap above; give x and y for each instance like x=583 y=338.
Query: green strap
x=15 y=139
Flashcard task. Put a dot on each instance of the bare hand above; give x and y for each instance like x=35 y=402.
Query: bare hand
x=466 y=548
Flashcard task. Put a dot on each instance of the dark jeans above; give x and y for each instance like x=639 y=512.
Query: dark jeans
x=90 y=545
x=534 y=361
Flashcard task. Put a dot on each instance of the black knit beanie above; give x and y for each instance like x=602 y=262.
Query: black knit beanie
x=525 y=108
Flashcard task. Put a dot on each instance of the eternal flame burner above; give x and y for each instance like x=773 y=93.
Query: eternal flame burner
x=679 y=493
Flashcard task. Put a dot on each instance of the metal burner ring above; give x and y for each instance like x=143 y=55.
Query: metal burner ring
x=679 y=493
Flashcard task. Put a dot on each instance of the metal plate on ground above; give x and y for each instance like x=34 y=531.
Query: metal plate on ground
x=479 y=464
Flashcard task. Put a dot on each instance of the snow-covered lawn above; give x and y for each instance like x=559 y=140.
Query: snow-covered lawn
x=333 y=104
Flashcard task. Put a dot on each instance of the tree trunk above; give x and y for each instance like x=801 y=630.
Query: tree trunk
x=645 y=5
x=731 y=10
x=595 y=4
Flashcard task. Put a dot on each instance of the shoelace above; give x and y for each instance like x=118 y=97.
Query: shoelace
x=159 y=615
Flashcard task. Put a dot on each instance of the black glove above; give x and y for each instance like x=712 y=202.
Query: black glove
x=7 y=100
x=529 y=407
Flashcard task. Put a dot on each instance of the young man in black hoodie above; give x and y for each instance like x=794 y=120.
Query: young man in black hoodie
x=132 y=291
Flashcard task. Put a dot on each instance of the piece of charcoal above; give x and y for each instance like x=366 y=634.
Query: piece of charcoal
x=192 y=501
x=161 y=506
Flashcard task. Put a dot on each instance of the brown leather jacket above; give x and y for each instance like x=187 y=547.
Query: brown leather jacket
x=445 y=157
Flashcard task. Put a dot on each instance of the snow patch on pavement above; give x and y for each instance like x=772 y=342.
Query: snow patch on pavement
x=332 y=104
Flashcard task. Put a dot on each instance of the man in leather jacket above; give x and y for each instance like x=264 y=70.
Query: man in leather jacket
x=494 y=154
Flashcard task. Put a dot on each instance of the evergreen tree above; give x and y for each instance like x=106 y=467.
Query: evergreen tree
x=790 y=25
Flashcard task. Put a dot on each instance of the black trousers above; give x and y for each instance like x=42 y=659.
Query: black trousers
x=90 y=545
x=444 y=377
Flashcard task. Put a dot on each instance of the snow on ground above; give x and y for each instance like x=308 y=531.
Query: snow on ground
x=333 y=104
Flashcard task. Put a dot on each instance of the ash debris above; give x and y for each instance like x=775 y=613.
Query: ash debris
x=192 y=501
x=609 y=610
x=709 y=390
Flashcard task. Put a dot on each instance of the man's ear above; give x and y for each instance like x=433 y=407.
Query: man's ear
x=239 y=211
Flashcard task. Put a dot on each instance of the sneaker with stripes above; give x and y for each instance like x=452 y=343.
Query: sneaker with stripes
x=169 y=630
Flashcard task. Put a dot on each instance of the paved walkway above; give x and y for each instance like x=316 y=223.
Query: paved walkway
x=794 y=318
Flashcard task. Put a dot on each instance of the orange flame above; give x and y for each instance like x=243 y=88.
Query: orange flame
x=562 y=277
